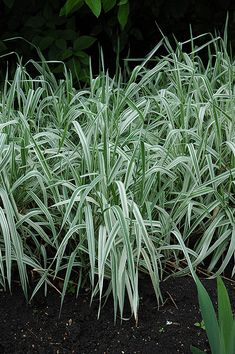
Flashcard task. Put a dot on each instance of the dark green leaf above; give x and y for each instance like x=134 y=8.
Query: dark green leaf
x=59 y=69
x=46 y=42
x=225 y=314
x=69 y=35
x=108 y=4
x=83 y=42
x=67 y=276
x=83 y=57
x=209 y=317
x=123 y=13
x=66 y=54
x=9 y=3
x=61 y=43
x=69 y=6
x=53 y=52
x=35 y=21
x=95 y=6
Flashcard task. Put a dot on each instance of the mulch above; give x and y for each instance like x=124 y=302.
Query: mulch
x=36 y=327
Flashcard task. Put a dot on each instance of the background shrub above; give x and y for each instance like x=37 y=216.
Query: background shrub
x=71 y=30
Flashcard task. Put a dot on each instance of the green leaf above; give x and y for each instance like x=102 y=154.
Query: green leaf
x=67 y=276
x=35 y=21
x=69 y=35
x=61 y=43
x=83 y=57
x=90 y=240
x=4 y=161
x=83 y=42
x=108 y=4
x=69 y=6
x=67 y=53
x=95 y=6
x=123 y=13
x=209 y=317
x=195 y=350
x=46 y=42
x=200 y=324
x=225 y=314
x=9 y=3
x=15 y=237
x=7 y=244
x=233 y=338
x=84 y=143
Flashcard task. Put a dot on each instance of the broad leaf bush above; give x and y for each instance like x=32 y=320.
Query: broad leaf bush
x=96 y=7
x=121 y=178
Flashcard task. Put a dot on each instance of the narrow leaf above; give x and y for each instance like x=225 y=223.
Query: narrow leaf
x=209 y=317
x=225 y=314
x=95 y=6
x=69 y=6
x=108 y=4
x=123 y=14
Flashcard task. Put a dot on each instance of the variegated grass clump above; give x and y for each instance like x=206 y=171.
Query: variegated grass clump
x=119 y=178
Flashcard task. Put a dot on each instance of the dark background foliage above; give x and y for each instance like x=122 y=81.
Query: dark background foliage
x=73 y=38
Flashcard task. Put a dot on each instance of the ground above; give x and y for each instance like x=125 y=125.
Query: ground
x=36 y=328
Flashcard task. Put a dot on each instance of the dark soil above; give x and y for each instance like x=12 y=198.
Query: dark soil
x=36 y=328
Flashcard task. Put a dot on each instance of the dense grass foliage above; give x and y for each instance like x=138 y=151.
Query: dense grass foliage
x=120 y=178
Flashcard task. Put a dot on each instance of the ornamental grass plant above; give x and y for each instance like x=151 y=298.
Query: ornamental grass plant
x=121 y=178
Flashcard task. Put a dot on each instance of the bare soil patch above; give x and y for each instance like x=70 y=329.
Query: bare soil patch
x=36 y=327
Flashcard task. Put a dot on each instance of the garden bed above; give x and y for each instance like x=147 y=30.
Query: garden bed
x=36 y=328
x=128 y=176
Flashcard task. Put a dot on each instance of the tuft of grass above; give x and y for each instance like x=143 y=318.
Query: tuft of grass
x=118 y=178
